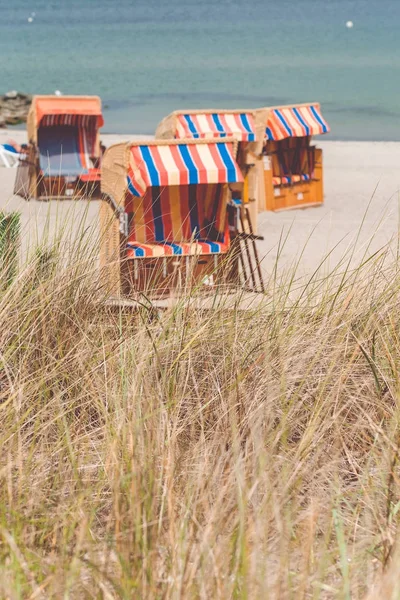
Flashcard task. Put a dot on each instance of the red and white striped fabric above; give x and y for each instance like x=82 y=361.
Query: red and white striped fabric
x=214 y=125
x=87 y=131
x=300 y=121
x=86 y=121
x=181 y=164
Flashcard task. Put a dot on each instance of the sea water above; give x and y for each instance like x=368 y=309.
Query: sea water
x=146 y=58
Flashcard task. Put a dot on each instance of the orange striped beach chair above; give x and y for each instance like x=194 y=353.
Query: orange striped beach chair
x=63 y=157
x=246 y=126
x=165 y=214
x=293 y=167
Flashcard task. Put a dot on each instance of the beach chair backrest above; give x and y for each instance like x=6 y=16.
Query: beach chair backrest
x=62 y=151
x=292 y=156
x=178 y=214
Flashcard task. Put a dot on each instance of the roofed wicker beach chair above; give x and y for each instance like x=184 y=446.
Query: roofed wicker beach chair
x=246 y=126
x=281 y=168
x=64 y=155
x=167 y=217
x=293 y=168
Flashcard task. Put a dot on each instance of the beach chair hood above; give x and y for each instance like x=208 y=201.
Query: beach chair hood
x=294 y=121
x=243 y=125
x=63 y=110
x=134 y=167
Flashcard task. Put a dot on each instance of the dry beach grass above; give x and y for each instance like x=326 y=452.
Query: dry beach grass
x=199 y=454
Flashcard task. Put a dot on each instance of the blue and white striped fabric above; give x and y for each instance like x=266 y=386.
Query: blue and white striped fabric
x=213 y=125
x=181 y=164
x=300 y=121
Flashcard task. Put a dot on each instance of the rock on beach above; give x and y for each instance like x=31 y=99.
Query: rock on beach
x=14 y=107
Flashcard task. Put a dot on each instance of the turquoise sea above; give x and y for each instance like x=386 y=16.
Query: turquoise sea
x=146 y=58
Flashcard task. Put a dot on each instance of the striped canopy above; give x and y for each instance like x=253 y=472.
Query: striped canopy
x=85 y=121
x=293 y=121
x=89 y=106
x=214 y=125
x=181 y=164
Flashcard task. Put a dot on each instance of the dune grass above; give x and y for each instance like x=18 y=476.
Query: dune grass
x=192 y=453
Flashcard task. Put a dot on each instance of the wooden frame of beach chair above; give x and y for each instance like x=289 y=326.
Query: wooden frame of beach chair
x=164 y=218
x=248 y=128
x=292 y=166
x=75 y=121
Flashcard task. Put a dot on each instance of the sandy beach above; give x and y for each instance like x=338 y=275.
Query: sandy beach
x=362 y=182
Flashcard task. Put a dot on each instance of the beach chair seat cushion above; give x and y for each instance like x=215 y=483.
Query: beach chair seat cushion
x=286 y=180
x=195 y=248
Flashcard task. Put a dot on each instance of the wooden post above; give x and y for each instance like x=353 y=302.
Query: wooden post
x=250 y=195
x=268 y=185
x=319 y=175
x=261 y=196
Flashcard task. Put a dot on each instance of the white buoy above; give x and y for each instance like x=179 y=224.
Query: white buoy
x=30 y=20
x=58 y=93
x=349 y=24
